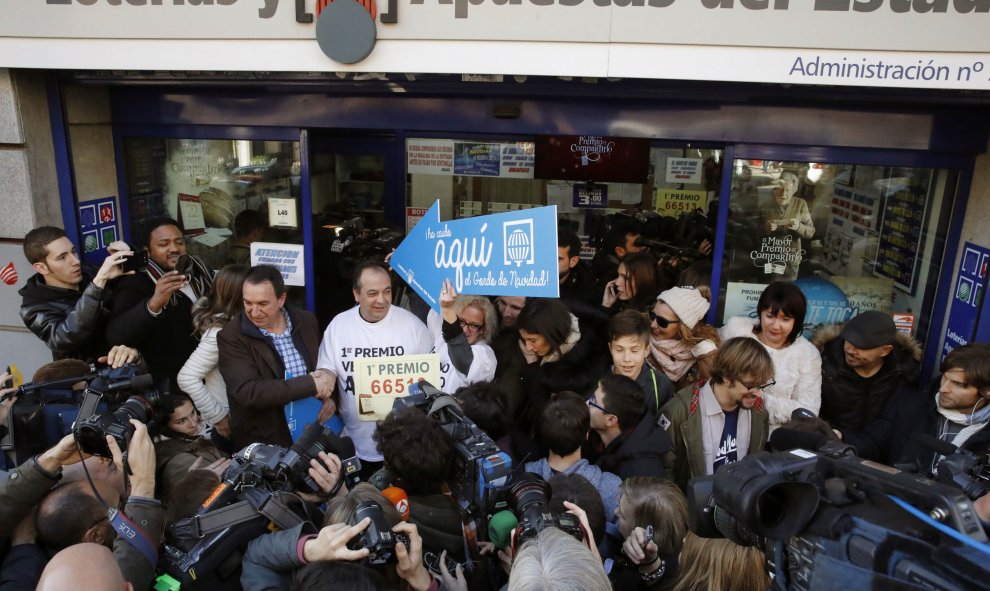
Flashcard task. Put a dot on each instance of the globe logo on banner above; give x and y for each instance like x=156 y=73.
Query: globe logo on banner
x=519 y=242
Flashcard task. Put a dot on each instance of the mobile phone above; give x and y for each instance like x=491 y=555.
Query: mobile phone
x=184 y=265
x=136 y=262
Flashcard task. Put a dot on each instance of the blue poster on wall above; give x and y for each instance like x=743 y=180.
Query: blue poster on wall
x=476 y=159
x=512 y=253
x=967 y=297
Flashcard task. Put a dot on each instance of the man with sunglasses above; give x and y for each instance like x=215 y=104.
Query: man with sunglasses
x=628 y=442
x=723 y=420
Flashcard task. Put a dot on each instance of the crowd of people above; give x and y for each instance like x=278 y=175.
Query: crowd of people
x=616 y=394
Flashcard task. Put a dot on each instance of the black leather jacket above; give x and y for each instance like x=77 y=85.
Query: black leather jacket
x=70 y=322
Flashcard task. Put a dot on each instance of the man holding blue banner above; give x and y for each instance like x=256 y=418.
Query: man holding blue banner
x=373 y=328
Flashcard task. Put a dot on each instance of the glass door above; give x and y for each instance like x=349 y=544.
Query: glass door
x=352 y=186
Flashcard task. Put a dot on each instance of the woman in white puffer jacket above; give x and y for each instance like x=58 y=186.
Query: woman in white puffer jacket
x=200 y=376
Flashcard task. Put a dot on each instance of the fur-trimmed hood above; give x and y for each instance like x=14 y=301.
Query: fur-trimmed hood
x=907 y=351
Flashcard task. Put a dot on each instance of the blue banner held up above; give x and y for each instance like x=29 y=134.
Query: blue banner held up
x=512 y=253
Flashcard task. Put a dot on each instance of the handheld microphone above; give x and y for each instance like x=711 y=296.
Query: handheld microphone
x=400 y=499
x=500 y=528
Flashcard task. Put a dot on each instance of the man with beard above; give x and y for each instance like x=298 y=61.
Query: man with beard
x=723 y=420
x=152 y=309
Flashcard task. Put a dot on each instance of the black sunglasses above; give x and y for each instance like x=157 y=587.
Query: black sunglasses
x=660 y=320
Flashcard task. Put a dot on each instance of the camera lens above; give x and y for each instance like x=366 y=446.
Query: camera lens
x=527 y=491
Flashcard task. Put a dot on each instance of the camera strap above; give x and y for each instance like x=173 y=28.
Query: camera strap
x=128 y=531
x=241 y=512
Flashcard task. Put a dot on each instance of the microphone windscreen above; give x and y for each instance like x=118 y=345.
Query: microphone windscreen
x=400 y=499
x=142 y=382
x=787 y=439
x=500 y=528
x=943 y=448
x=346 y=447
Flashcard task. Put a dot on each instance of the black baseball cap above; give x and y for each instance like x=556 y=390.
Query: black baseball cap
x=869 y=330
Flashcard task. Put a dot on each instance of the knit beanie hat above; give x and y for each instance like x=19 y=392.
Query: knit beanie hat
x=687 y=302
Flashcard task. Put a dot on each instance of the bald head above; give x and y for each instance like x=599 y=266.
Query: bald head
x=83 y=567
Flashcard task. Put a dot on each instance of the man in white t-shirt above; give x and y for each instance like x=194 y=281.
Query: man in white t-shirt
x=374 y=328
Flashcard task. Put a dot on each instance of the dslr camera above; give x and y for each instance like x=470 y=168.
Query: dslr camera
x=378 y=537
x=529 y=499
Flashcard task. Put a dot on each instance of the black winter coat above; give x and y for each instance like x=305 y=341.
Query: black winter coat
x=69 y=321
x=165 y=341
x=852 y=402
x=637 y=452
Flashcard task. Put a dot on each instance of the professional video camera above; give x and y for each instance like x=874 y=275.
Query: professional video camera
x=46 y=412
x=961 y=468
x=481 y=468
x=257 y=494
x=830 y=517
x=529 y=513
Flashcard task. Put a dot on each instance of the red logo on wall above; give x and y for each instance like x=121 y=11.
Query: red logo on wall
x=9 y=274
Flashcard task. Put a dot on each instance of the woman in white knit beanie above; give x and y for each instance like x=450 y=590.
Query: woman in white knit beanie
x=682 y=344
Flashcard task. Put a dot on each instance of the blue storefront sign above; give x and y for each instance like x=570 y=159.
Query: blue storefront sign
x=512 y=253
x=967 y=298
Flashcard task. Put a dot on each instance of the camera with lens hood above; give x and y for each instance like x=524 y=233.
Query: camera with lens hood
x=378 y=537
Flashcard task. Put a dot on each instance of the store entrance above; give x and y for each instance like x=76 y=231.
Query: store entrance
x=351 y=183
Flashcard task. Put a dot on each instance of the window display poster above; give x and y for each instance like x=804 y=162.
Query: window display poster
x=672 y=203
x=287 y=258
x=827 y=304
x=425 y=156
x=590 y=196
x=413 y=215
x=517 y=160
x=282 y=213
x=477 y=159
x=901 y=239
x=967 y=297
x=684 y=170
x=378 y=381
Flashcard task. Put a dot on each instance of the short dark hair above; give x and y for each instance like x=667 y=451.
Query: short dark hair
x=974 y=359
x=567 y=237
x=629 y=323
x=65 y=515
x=482 y=402
x=338 y=574
x=565 y=423
x=575 y=488
x=37 y=240
x=262 y=273
x=362 y=267
x=248 y=221
x=784 y=296
x=155 y=223
x=623 y=398
x=547 y=317
x=417 y=451
x=616 y=237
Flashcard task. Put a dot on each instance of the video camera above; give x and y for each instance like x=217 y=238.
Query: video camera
x=828 y=516
x=47 y=411
x=960 y=468
x=481 y=468
x=257 y=494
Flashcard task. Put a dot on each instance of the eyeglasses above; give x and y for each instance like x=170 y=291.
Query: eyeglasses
x=471 y=325
x=660 y=320
x=592 y=402
x=763 y=387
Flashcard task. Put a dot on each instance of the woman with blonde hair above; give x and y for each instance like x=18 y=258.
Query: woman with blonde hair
x=462 y=335
x=710 y=564
x=682 y=344
x=200 y=376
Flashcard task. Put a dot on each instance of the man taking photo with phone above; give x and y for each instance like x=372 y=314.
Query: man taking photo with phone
x=151 y=310
x=63 y=304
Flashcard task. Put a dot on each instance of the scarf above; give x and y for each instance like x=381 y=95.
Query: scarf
x=673 y=356
x=200 y=278
x=974 y=422
x=565 y=348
